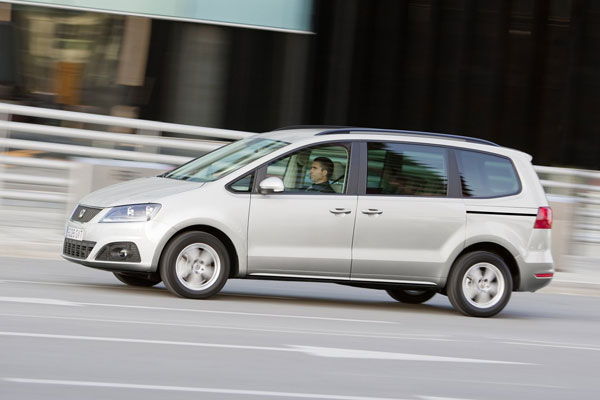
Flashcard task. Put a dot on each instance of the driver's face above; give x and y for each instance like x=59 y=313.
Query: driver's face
x=317 y=173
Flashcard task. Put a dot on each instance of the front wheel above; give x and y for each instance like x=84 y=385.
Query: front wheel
x=410 y=296
x=480 y=284
x=195 y=265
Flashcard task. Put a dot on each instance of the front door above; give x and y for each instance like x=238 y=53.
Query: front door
x=306 y=230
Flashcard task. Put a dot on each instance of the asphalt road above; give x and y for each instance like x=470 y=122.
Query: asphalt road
x=69 y=332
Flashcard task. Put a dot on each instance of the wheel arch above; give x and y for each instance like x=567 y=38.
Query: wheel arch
x=497 y=249
x=219 y=234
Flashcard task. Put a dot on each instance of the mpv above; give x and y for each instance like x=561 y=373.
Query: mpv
x=411 y=213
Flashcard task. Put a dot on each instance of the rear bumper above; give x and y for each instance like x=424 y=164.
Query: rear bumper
x=529 y=282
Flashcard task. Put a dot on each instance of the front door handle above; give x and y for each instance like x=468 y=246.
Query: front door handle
x=372 y=211
x=340 y=211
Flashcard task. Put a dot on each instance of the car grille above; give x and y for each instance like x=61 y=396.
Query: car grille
x=78 y=249
x=84 y=213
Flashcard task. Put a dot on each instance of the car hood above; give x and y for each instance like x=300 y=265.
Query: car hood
x=144 y=190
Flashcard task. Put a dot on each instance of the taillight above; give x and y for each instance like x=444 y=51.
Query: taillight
x=543 y=220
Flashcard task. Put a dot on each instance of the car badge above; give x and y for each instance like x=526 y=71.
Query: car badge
x=82 y=213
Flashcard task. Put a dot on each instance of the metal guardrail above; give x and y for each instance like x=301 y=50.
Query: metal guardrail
x=577 y=195
x=34 y=162
x=176 y=143
x=146 y=144
x=201 y=132
x=37 y=181
x=567 y=172
x=70 y=149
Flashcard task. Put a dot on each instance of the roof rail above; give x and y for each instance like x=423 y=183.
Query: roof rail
x=409 y=133
x=311 y=127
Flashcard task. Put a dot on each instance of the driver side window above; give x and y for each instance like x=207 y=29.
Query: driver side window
x=316 y=170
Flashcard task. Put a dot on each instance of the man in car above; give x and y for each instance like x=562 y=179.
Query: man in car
x=320 y=172
x=401 y=184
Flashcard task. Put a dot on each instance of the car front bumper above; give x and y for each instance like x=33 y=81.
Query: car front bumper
x=147 y=237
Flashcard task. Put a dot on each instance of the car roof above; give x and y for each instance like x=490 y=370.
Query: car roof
x=295 y=133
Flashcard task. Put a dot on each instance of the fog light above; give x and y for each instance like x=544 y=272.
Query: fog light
x=119 y=251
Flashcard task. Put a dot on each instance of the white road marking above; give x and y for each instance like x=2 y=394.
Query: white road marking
x=262 y=393
x=116 y=286
x=144 y=341
x=313 y=351
x=556 y=346
x=582 y=282
x=430 y=379
x=239 y=313
x=35 y=300
x=399 y=336
x=123 y=286
x=525 y=341
x=441 y=398
x=61 y=302
x=381 y=355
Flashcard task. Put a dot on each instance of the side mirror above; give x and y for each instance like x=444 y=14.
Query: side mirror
x=271 y=185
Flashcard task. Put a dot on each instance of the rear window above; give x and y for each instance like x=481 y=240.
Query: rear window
x=486 y=175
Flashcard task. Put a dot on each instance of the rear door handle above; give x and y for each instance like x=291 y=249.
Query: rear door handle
x=340 y=211
x=372 y=211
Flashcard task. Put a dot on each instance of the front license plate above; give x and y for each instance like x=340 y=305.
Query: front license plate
x=74 y=233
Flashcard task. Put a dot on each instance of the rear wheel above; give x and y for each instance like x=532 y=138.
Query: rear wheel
x=133 y=279
x=480 y=284
x=195 y=265
x=410 y=296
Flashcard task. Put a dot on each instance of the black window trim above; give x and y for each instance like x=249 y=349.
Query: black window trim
x=451 y=167
x=454 y=186
x=354 y=165
x=519 y=191
x=229 y=186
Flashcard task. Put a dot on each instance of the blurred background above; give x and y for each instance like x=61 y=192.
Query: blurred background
x=95 y=92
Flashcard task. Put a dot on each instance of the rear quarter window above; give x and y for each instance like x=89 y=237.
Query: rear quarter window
x=486 y=175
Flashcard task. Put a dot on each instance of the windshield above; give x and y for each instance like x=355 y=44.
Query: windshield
x=225 y=160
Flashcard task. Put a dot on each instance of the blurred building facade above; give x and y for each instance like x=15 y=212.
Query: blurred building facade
x=523 y=73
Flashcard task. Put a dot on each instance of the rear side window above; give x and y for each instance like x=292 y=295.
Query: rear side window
x=486 y=175
x=406 y=169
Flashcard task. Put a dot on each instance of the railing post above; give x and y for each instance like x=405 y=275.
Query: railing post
x=148 y=132
x=4 y=133
x=4 y=116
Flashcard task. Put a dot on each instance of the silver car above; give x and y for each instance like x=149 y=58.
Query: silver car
x=411 y=213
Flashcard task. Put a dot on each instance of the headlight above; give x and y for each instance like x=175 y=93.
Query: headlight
x=132 y=213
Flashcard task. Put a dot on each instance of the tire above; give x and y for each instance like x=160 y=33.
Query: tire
x=195 y=265
x=480 y=284
x=410 y=296
x=143 y=280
